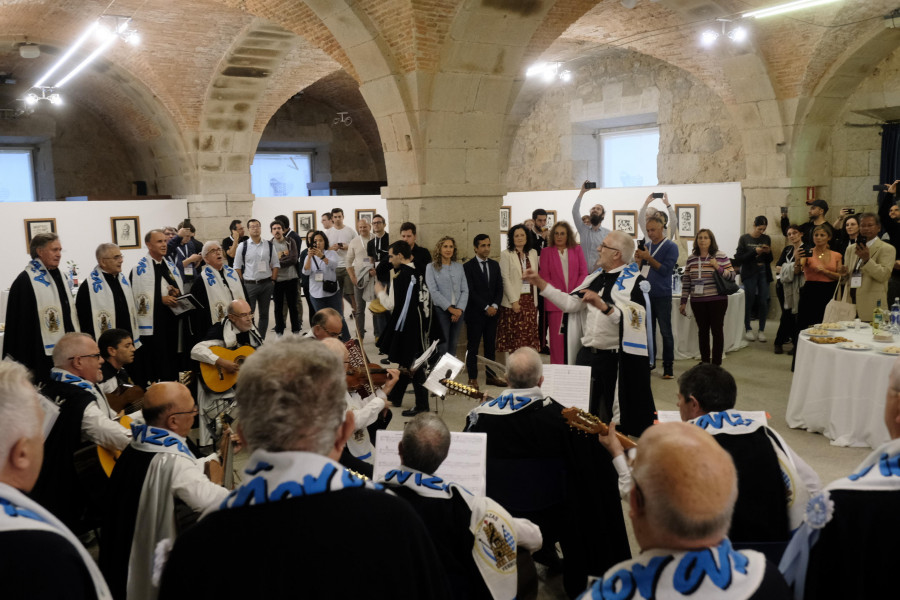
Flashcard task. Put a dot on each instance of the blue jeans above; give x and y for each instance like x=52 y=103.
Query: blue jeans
x=335 y=301
x=756 y=289
x=449 y=330
x=662 y=317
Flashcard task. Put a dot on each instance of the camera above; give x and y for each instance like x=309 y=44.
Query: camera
x=590 y=185
x=851 y=211
x=657 y=194
x=641 y=245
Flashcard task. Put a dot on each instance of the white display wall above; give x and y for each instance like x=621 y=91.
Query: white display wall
x=721 y=206
x=265 y=209
x=81 y=226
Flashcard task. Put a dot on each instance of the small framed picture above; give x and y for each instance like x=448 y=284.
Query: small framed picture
x=505 y=212
x=551 y=219
x=126 y=232
x=36 y=226
x=687 y=217
x=304 y=222
x=625 y=220
x=364 y=214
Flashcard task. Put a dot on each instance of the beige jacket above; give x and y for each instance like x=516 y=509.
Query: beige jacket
x=511 y=270
x=875 y=276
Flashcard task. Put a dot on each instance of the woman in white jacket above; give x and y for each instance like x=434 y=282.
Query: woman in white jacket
x=517 y=324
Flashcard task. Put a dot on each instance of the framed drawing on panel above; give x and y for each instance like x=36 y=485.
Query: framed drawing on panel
x=551 y=219
x=687 y=217
x=505 y=212
x=304 y=222
x=625 y=220
x=366 y=214
x=126 y=232
x=36 y=226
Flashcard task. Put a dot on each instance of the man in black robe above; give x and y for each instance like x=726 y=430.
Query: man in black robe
x=406 y=335
x=25 y=340
x=289 y=524
x=109 y=267
x=539 y=469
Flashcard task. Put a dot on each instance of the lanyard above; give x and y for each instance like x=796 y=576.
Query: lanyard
x=653 y=254
x=700 y=266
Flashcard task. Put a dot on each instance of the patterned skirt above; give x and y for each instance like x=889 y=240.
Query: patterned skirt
x=518 y=329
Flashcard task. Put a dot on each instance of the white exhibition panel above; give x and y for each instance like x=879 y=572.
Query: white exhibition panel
x=721 y=206
x=81 y=226
x=265 y=209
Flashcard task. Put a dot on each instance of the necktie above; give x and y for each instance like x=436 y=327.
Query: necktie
x=485 y=269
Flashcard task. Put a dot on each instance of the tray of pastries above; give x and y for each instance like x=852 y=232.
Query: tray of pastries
x=890 y=350
x=828 y=340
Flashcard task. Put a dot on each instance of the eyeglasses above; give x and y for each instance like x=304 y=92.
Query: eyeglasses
x=609 y=247
x=193 y=411
x=84 y=356
x=333 y=334
x=116 y=257
x=377 y=222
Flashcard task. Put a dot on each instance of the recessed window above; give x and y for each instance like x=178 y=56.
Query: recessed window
x=628 y=158
x=281 y=174
x=16 y=175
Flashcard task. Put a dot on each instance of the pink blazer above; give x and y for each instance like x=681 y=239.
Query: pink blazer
x=551 y=270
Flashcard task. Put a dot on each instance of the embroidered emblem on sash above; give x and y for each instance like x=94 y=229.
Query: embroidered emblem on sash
x=52 y=320
x=819 y=510
x=220 y=311
x=497 y=543
x=143 y=304
x=105 y=321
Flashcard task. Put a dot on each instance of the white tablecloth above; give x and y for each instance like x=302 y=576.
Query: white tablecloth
x=687 y=338
x=841 y=392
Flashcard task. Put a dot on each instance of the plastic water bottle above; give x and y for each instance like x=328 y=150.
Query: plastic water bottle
x=895 y=313
x=877 y=316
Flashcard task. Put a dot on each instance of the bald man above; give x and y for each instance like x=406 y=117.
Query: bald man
x=156 y=472
x=850 y=535
x=235 y=332
x=685 y=487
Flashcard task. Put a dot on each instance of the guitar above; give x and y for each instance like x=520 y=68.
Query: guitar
x=124 y=397
x=217 y=379
x=588 y=423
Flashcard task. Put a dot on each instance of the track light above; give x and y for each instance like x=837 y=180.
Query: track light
x=738 y=34
x=784 y=8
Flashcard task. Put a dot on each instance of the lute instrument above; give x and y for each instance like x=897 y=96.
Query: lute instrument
x=591 y=425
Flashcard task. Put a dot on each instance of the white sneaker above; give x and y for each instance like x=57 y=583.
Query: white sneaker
x=762 y=337
x=750 y=336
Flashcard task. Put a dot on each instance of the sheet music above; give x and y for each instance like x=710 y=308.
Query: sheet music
x=570 y=385
x=466 y=462
x=673 y=416
x=448 y=367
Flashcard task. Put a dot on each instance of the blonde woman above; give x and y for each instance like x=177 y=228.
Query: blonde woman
x=449 y=290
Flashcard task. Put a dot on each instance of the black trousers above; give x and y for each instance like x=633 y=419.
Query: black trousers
x=604 y=366
x=396 y=395
x=478 y=328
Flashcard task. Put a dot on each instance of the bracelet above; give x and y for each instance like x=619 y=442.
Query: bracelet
x=608 y=310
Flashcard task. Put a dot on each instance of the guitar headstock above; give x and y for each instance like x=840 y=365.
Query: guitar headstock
x=583 y=421
x=460 y=388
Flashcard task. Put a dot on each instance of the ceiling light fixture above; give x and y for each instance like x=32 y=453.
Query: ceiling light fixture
x=78 y=43
x=46 y=93
x=784 y=8
x=708 y=38
x=549 y=71
x=737 y=33
x=97 y=52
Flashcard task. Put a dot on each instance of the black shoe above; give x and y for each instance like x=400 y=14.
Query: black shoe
x=411 y=412
x=385 y=361
x=779 y=349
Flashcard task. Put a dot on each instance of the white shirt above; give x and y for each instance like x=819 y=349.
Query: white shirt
x=365 y=412
x=191 y=485
x=99 y=428
x=344 y=236
x=356 y=254
x=600 y=331
x=257 y=265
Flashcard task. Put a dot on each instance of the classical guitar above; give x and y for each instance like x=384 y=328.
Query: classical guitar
x=124 y=397
x=217 y=379
x=591 y=425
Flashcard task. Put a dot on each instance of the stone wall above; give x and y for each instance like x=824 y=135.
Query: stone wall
x=341 y=152
x=856 y=151
x=554 y=147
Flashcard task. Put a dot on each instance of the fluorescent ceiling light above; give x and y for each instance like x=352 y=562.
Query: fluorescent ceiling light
x=68 y=54
x=97 y=52
x=784 y=8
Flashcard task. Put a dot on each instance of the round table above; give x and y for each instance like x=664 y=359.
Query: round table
x=840 y=392
x=687 y=338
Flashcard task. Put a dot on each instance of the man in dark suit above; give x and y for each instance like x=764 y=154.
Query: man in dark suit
x=485 y=293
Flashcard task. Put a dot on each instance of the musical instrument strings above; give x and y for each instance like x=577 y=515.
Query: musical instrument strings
x=590 y=424
x=365 y=361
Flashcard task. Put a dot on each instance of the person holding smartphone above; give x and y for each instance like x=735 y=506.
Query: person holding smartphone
x=754 y=255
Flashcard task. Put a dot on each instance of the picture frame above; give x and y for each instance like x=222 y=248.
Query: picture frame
x=304 y=222
x=505 y=216
x=364 y=213
x=551 y=219
x=626 y=220
x=687 y=219
x=126 y=232
x=36 y=226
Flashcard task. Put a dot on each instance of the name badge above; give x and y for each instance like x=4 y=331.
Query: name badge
x=367 y=261
x=319 y=276
x=698 y=289
x=856 y=279
x=526 y=287
x=645 y=271
x=188 y=269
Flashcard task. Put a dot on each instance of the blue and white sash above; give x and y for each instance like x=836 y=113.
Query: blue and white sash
x=103 y=305
x=49 y=307
x=143 y=286
x=220 y=291
x=64 y=376
x=274 y=476
x=18 y=512
x=715 y=572
x=510 y=402
x=495 y=548
x=879 y=472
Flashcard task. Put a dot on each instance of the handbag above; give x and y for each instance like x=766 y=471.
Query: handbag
x=724 y=287
x=329 y=286
x=839 y=308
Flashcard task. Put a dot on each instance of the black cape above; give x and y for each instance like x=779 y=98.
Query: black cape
x=403 y=347
x=42 y=565
x=83 y=306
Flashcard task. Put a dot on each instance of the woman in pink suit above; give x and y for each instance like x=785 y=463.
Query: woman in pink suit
x=562 y=266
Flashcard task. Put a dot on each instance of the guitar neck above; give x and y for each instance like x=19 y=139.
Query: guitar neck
x=590 y=424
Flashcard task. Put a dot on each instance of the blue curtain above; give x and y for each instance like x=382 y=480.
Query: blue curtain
x=890 y=153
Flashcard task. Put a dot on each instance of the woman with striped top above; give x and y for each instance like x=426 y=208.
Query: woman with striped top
x=699 y=285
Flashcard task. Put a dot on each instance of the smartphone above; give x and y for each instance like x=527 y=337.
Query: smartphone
x=861 y=240
x=879 y=188
x=641 y=245
x=590 y=185
x=187 y=223
x=657 y=194
x=851 y=211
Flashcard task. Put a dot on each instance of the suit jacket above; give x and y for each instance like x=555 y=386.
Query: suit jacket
x=875 y=275
x=552 y=271
x=511 y=269
x=482 y=293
